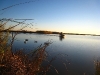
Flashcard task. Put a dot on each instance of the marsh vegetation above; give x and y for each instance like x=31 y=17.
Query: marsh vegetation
x=18 y=62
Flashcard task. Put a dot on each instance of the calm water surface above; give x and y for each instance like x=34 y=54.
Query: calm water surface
x=74 y=54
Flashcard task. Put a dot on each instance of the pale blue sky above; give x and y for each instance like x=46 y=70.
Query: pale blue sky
x=70 y=16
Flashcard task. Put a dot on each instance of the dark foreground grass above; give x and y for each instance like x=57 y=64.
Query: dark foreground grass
x=20 y=63
x=97 y=66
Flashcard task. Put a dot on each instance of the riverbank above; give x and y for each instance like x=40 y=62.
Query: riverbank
x=46 y=32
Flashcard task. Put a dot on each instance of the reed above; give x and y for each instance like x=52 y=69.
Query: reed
x=97 y=68
x=20 y=63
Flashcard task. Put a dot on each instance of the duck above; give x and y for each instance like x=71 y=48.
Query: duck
x=26 y=39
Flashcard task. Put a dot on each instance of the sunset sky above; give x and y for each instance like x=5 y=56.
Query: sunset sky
x=69 y=16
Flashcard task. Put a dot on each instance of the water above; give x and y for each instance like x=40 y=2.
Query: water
x=74 y=54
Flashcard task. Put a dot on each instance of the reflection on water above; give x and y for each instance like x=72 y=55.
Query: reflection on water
x=61 y=38
x=77 y=53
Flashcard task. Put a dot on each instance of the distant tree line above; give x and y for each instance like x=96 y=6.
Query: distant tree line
x=47 y=32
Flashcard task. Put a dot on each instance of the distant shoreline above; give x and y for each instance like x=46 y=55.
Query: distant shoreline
x=47 y=32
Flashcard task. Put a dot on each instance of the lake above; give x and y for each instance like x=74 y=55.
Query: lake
x=74 y=54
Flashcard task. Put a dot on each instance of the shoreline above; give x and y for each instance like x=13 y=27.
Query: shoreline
x=47 y=32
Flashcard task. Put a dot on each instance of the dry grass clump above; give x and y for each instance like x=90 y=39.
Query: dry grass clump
x=97 y=65
x=20 y=63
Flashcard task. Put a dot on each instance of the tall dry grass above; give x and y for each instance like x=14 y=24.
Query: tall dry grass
x=20 y=63
x=97 y=67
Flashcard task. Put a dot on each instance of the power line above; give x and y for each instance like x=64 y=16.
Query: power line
x=17 y=5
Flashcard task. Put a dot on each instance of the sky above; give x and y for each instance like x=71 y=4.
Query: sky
x=68 y=16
